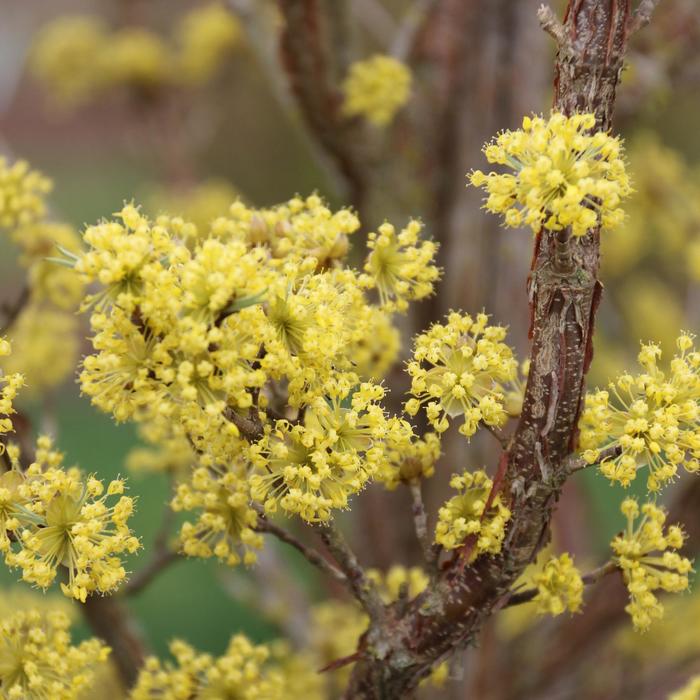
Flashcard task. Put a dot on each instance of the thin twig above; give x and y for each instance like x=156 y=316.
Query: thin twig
x=551 y=24
x=362 y=588
x=14 y=309
x=588 y=580
x=161 y=560
x=420 y=520
x=411 y=24
x=577 y=463
x=642 y=15
x=314 y=557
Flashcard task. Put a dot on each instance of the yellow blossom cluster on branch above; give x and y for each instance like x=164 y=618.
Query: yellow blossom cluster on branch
x=559 y=586
x=244 y=670
x=565 y=174
x=58 y=518
x=37 y=660
x=77 y=58
x=653 y=418
x=22 y=193
x=9 y=386
x=400 y=266
x=469 y=516
x=459 y=369
x=646 y=554
x=249 y=344
x=408 y=457
x=376 y=88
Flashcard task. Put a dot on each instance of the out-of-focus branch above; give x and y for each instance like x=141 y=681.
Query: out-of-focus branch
x=12 y=310
x=409 y=28
x=376 y=19
x=110 y=620
x=306 y=62
x=642 y=15
x=551 y=24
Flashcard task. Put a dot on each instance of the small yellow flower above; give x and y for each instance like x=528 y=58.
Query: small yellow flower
x=22 y=194
x=559 y=586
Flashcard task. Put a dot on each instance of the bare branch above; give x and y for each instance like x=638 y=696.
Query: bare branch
x=551 y=24
x=410 y=27
x=362 y=588
x=311 y=555
x=588 y=579
x=420 y=520
x=14 y=309
x=162 y=558
x=376 y=19
x=642 y=15
x=577 y=463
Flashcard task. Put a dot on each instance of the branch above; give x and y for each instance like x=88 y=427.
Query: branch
x=110 y=620
x=14 y=309
x=588 y=579
x=642 y=15
x=420 y=520
x=304 y=58
x=310 y=554
x=576 y=464
x=362 y=588
x=410 y=27
x=551 y=24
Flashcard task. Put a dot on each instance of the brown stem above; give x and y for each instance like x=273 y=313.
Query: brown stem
x=420 y=521
x=362 y=588
x=14 y=309
x=309 y=553
x=110 y=620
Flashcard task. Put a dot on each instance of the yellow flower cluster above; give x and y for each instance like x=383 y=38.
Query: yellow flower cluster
x=78 y=58
x=465 y=515
x=243 y=671
x=564 y=176
x=376 y=88
x=559 y=586
x=9 y=385
x=647 y=556
x=251 y=340
x=225 y=527
x=36 y=334
x=399 y=266
x=690 y=691
x=22 y=193
x=58 y=518
x=653 y=417
x=37 y=660
x=311 y=468
x=458 y=370
x=406 y=456
x=390 y=585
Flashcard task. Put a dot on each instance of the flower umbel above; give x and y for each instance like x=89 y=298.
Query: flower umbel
x=559 y=586
x=653 y=417
x=564 y=175
x=458 y=370
x=646 y=554
x=466 y=515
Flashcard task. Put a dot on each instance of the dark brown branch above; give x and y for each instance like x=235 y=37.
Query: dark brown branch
x=304 y=57
x=310 y=554
x=12 y=310
x=110 y=620
x=520 y=597
x=362 y=588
